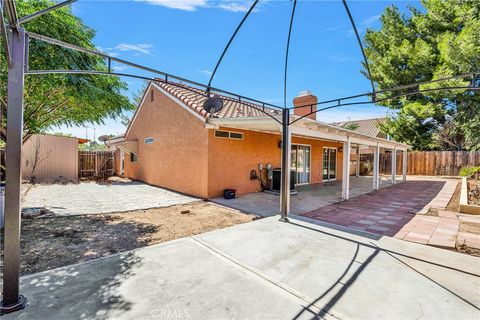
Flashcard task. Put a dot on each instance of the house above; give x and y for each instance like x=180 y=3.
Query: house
x=174 y=143
x=49 y=158
x=370 y=127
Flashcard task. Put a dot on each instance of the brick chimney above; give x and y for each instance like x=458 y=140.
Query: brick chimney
x=305 y=98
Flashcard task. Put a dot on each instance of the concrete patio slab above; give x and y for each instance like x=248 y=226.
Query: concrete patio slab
x=263 y=270
x=309 y=197
x=92 y=198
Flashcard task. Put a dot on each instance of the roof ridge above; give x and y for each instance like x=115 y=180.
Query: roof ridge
x=195 y=97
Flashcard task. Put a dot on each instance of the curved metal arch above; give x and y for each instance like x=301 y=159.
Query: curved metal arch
x=179 y=85
x=360 y=45
x=402 y=87
x=229 y=43
x=286 y=55
x=384 y=99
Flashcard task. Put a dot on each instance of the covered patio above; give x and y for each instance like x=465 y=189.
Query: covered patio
x=319 y=189
x=308 y=197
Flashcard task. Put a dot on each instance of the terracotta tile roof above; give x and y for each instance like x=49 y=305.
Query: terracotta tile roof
x=232 y=108
x=367 y=126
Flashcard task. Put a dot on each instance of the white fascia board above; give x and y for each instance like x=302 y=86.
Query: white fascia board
x=357 y=138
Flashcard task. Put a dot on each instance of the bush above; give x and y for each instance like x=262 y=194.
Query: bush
x=470 y=172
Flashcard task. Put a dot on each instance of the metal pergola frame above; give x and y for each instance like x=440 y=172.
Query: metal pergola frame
x=15 y=40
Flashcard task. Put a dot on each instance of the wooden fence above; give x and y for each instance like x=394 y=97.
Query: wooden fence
x=431 y=163
x=95 y=164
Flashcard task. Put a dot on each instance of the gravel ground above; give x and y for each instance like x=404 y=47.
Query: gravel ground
x=96 y=198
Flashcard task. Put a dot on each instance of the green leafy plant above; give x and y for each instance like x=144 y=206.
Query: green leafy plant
x=440 y=40
x=55 y=100
x=470 y=172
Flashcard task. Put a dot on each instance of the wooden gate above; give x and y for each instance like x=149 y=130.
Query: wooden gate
x=95 y=164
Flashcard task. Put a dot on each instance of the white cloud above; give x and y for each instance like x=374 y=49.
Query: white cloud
x=207 y=72
x=235 y=6
x=193 y=5
x=186 y=5
x=370 y=20
x=119 y=67
x=141 y=48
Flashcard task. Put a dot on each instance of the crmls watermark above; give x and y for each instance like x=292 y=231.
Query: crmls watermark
x=169 y=314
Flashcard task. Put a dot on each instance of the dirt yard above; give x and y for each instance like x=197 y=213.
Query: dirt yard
x=454 y=204
x=52 y=242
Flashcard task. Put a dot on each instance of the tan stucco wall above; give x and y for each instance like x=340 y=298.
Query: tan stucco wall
x=230 y=161
x=177 y=159
x=117 y=160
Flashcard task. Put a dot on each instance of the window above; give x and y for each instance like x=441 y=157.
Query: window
x=148 y=140
x=229 y=135
x=133 y=157
x=236 y=135
x=151 y=95
x=221 y=134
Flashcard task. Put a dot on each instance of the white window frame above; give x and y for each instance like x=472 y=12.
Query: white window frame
x=336 y=163
x=309 y=163
x=150 y=140
x=229 y=134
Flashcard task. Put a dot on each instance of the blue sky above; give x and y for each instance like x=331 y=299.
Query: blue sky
x=186 y=37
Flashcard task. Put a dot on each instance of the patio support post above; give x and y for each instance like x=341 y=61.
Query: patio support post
x=12 y=300
x=394 y=165
x=121 y=162
x=357 y=164
x=404 y=165
x=285 y=185
x=346 y=170
x=376 y=161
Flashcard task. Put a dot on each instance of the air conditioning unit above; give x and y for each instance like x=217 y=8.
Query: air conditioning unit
x=277 y=179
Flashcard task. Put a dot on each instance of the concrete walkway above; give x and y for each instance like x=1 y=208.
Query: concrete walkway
x=263 y=270
x=92 y=197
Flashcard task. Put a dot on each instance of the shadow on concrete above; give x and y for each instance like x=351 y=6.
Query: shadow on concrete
x=344 y=285
x=394 y=254
x=53 y=242
x=101 y=289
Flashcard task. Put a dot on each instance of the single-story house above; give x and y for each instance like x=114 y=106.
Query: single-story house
x=49 y=158
x=174 y=143
x=370 y=127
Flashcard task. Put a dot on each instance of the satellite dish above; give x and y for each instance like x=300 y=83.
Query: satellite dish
x=103 y=138
x=213 y=104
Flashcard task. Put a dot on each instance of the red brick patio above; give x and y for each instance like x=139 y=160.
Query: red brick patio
x=386 y=211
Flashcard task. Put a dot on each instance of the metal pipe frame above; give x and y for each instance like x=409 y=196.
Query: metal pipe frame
x=19 y=51
x=230 y=42
x=44 y=11
x=402 y=87
x=365 y=60
x=473 y=88
x=141 y=67
x=4 y=32
x=12 y=300
x=285 y=167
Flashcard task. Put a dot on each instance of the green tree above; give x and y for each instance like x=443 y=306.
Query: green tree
x=54 y=100
x=440 y=41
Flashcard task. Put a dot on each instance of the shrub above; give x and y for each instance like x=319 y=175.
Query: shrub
x=470 y=172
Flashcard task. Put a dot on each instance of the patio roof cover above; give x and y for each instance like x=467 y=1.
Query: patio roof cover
x=308 y=128
x=128 y=146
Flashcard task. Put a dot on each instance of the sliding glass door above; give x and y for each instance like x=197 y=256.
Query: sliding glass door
x=300 y=163
x=329 y=163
